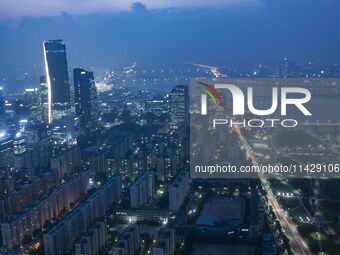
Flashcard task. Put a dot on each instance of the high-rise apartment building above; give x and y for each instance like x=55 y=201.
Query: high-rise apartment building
x=166 y=242
x=142 y=191
x=64 y=234
x=93 y=241
x=6 y=154
x=128 y=242
x=42 y=210
x=178 y=190
x=179 y=100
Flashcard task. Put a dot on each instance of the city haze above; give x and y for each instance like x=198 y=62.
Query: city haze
x=241 y=34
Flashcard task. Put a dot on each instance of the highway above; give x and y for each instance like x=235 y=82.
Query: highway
x=213 y=69
x=297 y=243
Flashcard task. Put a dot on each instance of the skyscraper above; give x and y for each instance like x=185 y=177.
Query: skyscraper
x=32 y=99
x=179 y=104
x=57 y=79
x=85 y=97
x=43 y=90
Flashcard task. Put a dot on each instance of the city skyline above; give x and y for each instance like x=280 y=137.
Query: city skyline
x=275 y=30
x=169 y=127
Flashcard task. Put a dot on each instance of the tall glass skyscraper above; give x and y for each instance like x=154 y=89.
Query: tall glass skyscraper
x=59 y=103
x=85 y=97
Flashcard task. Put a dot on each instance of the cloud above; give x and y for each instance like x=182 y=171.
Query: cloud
x=16 y=9
x=138 y=6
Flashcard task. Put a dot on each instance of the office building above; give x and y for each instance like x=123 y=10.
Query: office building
x=156 y=106
x=85 y=97
x=33 y=102
x=63 y=133
x=21 y=109
x=19 y=144
x=57 y=80
x=43 y=90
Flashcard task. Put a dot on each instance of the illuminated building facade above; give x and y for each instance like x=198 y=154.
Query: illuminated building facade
x=43 y=90
x=57 y=79
x=6 y=154
x=179 y=104
x=85 y=97
x=32 y=99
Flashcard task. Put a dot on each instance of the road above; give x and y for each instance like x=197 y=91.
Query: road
x=213 y=69
x=297 y=243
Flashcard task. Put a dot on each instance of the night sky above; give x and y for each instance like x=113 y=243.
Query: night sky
x=106 y=34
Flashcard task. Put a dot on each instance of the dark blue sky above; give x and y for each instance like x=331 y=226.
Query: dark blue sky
x=232 y=34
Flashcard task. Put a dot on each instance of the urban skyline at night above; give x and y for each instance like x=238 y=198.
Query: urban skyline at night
x=169 y=127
